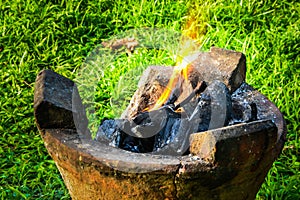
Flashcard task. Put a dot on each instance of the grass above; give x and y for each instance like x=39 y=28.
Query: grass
x=59 y=35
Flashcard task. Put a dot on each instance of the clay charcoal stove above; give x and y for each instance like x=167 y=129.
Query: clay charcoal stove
x=212 y=136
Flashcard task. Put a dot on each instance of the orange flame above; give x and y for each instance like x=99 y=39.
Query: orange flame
x=167 y=92
x=181 y=69
x=186 y=55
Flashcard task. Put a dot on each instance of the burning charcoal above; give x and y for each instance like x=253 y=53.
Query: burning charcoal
x=200 y=87
x=212 y=110
x=164 y=130
x=150 y=87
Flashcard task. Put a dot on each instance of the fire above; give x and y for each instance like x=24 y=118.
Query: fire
x=171 y=84
x=193 y=31
x=181 y=70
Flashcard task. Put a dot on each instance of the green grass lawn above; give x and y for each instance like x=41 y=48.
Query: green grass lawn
x=58 y=35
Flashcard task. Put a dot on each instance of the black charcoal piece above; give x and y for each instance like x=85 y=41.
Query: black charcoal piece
x=136 y=145
x=112 y=132
x=190 y=107
x=213 y=108
x=109 y=132
x=177 y=144
x=243 y=107
x=141 y=131
x=202 y=112
x=147 y=124
x=241 y=112
x=167 y=134
x=221 y=106
x=137 y=135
